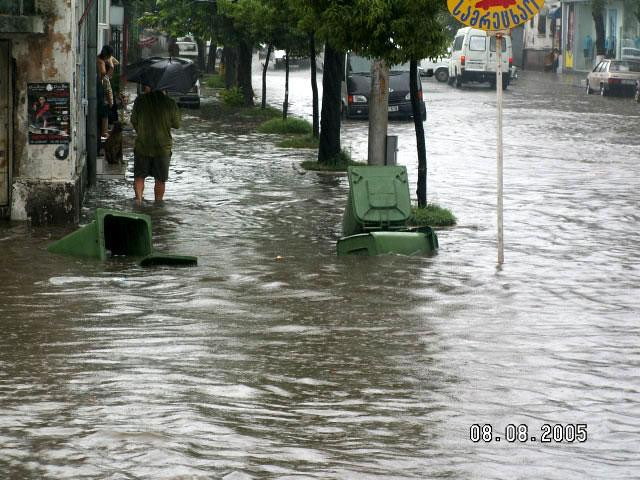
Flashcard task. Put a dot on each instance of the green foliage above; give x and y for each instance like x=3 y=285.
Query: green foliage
x=432 y=215
x=396 y=31
x=290 y=125
x=299 y=141
x=215 y=81
x=232 y=97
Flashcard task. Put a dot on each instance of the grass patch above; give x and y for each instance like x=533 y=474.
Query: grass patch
x=267 y=113
x=432 y=215
x=215 y=81
x=306 y=141
x=232 y=97
x=290 y=125
x=342 y=161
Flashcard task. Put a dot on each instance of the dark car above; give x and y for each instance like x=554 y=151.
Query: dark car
x=356 y=89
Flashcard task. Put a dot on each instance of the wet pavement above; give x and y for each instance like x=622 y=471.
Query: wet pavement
x=313 y=366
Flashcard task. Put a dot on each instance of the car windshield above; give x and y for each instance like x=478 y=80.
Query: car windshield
x=622 y=66
x=362 y=66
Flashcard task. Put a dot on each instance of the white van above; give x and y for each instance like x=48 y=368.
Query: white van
x=187 y=48
x=473 y=58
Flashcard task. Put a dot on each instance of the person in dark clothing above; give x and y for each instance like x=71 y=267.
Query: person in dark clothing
x=154 y=115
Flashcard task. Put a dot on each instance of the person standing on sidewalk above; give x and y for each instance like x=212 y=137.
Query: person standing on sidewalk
x=154 y=115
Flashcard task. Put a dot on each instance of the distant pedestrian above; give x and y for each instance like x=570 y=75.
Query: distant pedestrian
x=174 y=50
x=154 y=115
x=106 y=56
x=107 y=102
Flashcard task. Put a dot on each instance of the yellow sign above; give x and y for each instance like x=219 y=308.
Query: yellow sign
x=493 y=15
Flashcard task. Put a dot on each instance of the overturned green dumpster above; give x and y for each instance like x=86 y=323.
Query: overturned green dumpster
x=378 y=208
x=114 y=234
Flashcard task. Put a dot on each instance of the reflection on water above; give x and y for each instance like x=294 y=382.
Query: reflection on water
x=314 y=366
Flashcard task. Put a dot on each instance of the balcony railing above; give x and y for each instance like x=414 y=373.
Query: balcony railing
x=17 y=7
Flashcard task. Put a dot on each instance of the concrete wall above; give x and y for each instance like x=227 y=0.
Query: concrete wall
x=48 y=189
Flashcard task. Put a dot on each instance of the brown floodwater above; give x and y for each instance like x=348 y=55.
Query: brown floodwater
x=252 y=366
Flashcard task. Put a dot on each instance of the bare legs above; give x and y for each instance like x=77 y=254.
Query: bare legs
x=138 y=188
x=158 y=190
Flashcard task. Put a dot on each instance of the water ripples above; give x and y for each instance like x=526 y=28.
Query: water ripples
x=276 y=359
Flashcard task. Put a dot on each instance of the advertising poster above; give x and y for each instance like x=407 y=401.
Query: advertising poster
x=48 y=113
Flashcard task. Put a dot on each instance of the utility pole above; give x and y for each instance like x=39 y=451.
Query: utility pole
x=378 y=112
x=92 y=79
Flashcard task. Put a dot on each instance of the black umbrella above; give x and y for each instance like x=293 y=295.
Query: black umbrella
x=164 y=73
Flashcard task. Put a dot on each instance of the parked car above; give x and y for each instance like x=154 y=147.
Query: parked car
x=614 y=76
x=438 y=68
x=191 y=99
x=356 y=89
x=474 y=58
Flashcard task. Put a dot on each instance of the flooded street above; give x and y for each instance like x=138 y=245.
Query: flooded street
x=318 y=367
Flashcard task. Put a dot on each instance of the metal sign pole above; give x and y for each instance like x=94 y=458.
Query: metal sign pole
x=499 y=146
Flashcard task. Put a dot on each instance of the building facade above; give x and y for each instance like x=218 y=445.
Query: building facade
x=541 y=35
x=45 y=60
x=622 y=33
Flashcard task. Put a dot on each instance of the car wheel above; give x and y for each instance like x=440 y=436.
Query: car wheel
x=603 y=90
x=589 y=91
x=442 y=75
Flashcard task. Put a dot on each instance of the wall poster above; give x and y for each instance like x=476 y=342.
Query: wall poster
x=49 y=108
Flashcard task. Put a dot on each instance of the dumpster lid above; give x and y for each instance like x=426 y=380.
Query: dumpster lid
x=168 y=259
x=380 y=195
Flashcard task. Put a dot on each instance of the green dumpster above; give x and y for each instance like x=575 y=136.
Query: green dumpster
x=111 y=233
x=378 y=208
x=114 y=233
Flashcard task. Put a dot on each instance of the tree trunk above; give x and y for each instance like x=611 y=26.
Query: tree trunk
x=419 y=126
x=314 y=84
x=285 y=104
x=264 y=77
x=201 y=54
x=378 y=112
x=229 y=59
x=211 y=57
x=329 y=149
x=244 y=72
x=598 y=19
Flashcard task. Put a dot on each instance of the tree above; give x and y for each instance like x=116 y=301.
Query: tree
x=184 y=17
x=241 y=20
x=329 y=146
x=395 y=31
x=597 y=12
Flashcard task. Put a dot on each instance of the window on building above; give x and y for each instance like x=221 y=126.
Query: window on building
x=102 y=11
x=17 y=7
x=542 y=24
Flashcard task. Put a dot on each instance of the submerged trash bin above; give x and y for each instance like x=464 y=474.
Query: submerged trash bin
x=115 y=233
x=112 y=233
x=378 y=208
